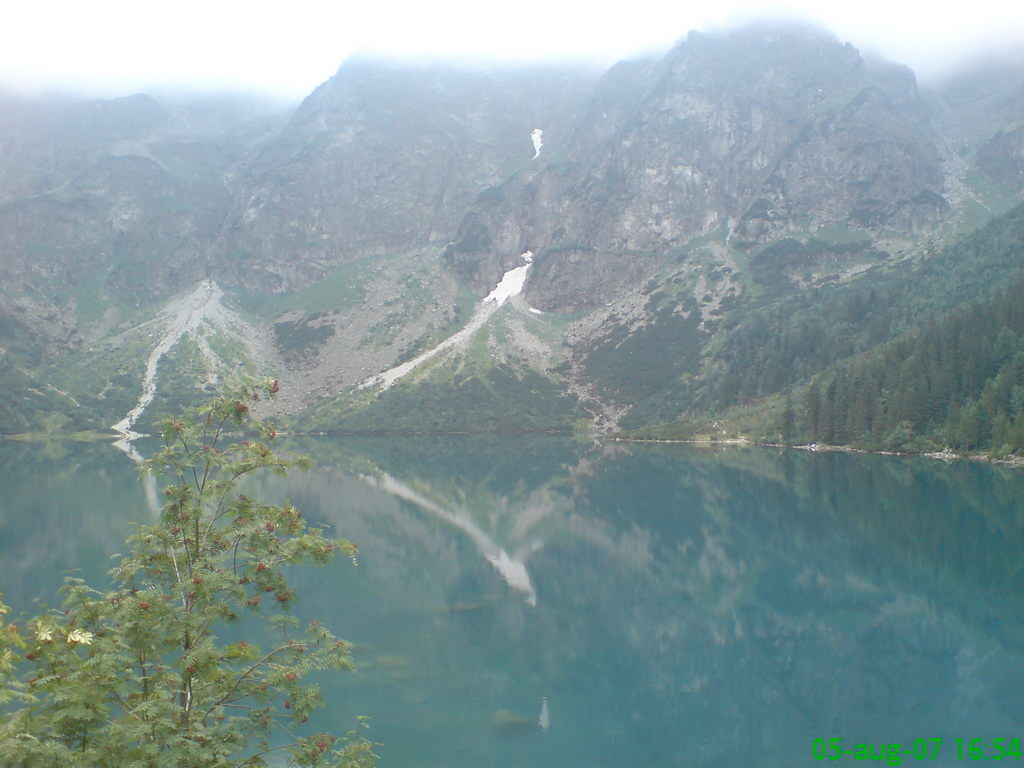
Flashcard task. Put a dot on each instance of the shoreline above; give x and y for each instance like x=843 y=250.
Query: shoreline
x=1016 y=462
x=947 y=456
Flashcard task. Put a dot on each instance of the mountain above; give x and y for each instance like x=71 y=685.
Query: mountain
x=383 y=158
x=765 y=132
x=435 y=248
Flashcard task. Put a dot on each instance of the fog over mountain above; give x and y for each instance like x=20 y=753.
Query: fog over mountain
x=551 y=244
x=116 y=48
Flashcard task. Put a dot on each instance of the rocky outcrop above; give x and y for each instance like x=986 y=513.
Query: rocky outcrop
x=871 y=163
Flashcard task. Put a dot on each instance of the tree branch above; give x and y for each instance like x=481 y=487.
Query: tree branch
x=227 y=696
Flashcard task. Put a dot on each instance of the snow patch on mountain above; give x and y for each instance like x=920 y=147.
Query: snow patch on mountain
x=537 y=141
x=511 y=284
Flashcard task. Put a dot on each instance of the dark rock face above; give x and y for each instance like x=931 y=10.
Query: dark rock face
x=381 y=158
x=761 y=132
x=718 y=117
x=109 y=203
x=45 y=145
x=124 y=216
x=1001 y=159
x=567 y=279
x=871 y=164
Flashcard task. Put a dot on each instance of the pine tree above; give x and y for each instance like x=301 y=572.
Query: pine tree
x=812 y=407
x=788 y=421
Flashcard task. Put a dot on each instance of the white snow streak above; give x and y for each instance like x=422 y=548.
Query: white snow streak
x=537 y=141
x=510 y=285
x=187 y=314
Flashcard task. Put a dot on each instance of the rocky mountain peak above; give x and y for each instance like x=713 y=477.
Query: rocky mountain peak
x=761 y=133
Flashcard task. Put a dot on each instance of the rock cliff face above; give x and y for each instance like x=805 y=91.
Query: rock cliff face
x=381 y=158
x=46 y=144
x=359 y=228
x=110 y=205
x=762 y=134
x=124 y=215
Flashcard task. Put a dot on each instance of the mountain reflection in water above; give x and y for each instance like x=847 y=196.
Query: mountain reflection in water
x=539 y=602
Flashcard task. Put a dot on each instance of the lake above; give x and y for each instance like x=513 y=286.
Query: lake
x=535 y=601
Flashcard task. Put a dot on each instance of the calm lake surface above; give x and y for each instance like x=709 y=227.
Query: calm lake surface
x=539 y=602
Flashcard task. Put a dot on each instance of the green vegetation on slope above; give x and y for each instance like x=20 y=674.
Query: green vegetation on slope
x=777 y=345
x=471 y=392
x=507 y=398
x=29 y=404
x=956 y=383
x=920 y=355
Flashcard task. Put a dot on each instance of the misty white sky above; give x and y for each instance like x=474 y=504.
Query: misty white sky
x=117 y=47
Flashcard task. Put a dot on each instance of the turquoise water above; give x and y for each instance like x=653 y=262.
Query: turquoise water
x=539 y=602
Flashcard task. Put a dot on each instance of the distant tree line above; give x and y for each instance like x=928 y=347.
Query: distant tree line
x=957 y=383
x=787 y=340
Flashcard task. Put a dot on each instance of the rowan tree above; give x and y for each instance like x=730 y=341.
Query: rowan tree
x=141 y=675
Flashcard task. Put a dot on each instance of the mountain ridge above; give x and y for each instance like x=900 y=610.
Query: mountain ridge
x=668 y=199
